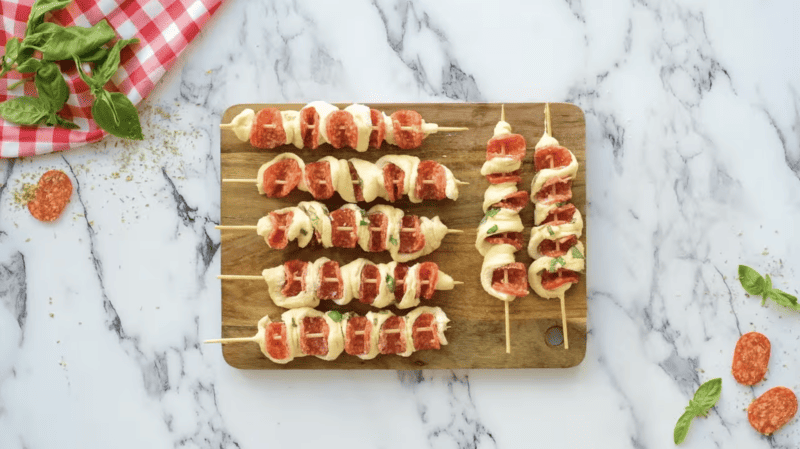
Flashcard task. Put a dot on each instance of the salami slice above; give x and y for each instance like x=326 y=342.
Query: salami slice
x=411 y=237
x=294 y=272
x=328 y=288
x=515 y=201
x=358 y=183
x=428 y=271
x=555 y=190
x=392 y=339
x=267 y=131
x=356 y=338
x=511 y=238
x=551 y=157
x=411 y=138
x=557 y=248
x=400 y=272
x=309 y=127
x=280 y=222
x=750 y=358
x=343 y=226
x=560 y=215
x=393 y=180
x=281 y=178
x=772 y=410
x=511 y=279
x=499 y=178
x=314 y=336
x=342 y=130
x=370 y=284
x=425 y=332
x=319 y=181
x=377 y=136
x=52 y=195
x=378 y=226
x=551 y=281
x=431 y=181
x=276 y=342
x=508 y=145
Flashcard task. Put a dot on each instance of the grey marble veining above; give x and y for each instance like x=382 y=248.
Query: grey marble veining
x=693 y=167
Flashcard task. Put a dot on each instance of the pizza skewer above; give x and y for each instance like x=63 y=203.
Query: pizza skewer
x=308 y=332
x=356 y=126
x=390 y=178
x=382 y=228
x=298 y=283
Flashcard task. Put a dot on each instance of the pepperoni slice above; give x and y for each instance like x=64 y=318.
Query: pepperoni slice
x=560 y=215
x=557 y=248
x=314 y=336
x=281 y=178
x=551 y=281
x=358 y=183
x=411 y=237
x=411 y=138
x=511 y=238
x=52 y=196
x=392 y=339
x=378 y=224
x=515 y=201
x=309 y=127
x=431 y=181
x=318 y=180
x=280 y=221
x=551 y=157
x=400 y=272
x=328 y=288
x=425 y=332
x=750 y=358
x=511 y=279
x=377 y=136
x=356 y=338
x=343 y=228
x=555 y=190
x=342 y=130
x=393 y=180
x=294 y=272
x=276 y=342
x=499 y=178
x=509 y=145
x=267 y=131
x=428 y=272
x=772 y=410
x=370 y=284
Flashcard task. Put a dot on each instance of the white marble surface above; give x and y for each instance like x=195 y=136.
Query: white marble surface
x=693 y=132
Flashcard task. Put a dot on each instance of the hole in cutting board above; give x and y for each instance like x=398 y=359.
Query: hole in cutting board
x=554 y=336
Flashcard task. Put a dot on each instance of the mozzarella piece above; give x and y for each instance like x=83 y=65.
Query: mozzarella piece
x=260 y=177
x=394 y=217
x=496 y=193
x=362 y=119
x=500 y=165
x=546 y=141
x=411 y=283
x=505 y=220
x=496 y=257
x=371 y=178
x=335 y=338
x=439 y=318
x=409 y=166
x=291 y=126
x=299 y=228
x=242 y=124
x=433 y=230
x=542 y=176
x=320 y=219
x=550 y=232
x=276 y=279
x=543 y=263
x=324 y=110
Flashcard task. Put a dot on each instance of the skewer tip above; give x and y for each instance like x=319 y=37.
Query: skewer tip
x=458 y=283
x=502 y=112
x=455 y=231
x=462 y=183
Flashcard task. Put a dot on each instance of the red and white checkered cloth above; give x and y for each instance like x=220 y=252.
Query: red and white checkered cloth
x=164 y=28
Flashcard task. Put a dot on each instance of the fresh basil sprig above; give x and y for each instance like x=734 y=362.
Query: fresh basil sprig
x=756 y=285
x=705 y=398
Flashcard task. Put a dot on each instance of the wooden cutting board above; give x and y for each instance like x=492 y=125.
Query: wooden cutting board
x=476 y=334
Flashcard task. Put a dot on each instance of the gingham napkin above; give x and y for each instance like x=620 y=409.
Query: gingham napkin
x=164 y=28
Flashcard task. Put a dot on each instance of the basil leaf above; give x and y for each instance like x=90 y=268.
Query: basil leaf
x=550 y=230
x=12 y=52
x=39 y=9
x=51 y=86
x=68 y=42
x=335 y=315
x=25 y=110
x=752 y=282
x=705 y=397
x=29 y=65
x=767 y=288
x=97 y=55
x=392 y=240
x=363 y=223
x=682 y=427
x=492 y=212
x=110 y=63
x=390 y=282
x=116 y=114
x=64 y=123
x=576 y=253
x=557 y=261
x=493 y=229
x=784 y=299
x=95 y=87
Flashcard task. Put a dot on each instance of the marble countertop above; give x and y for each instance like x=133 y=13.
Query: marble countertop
x=693 y=142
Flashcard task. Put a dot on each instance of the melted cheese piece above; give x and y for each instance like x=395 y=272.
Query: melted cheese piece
x=260 y=177
x=505 y=220
x=439 y=318
x=291 y=126
x=243 y=124
x=496 y=257
x=500 y=165
x=335 y=338
x=389 y=137
x=543 y=263
x=496 y=193
x=371 y=182
x=550 y=232
x=363 y=121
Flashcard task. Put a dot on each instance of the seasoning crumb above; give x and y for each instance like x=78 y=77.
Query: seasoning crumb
x=24 y=194
x=115 y=175
x=129 y=178
x=765 y=252
x=52 y=315
x=28 y=239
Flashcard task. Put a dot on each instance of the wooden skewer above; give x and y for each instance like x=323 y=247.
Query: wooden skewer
x=240 y=277
x=253 y=181
x=564 y=321
x=331 y=280
x=391 y=331
x=548 y=123
x=233 y=340
x=315 y=335
x=226 y=125
x=462 y=183
x=236 y=228
x=359 y=333
x=508 y=330
x=344 y=228
x=455 y=231
x=374 y=128
x=458 y=283
x=449 y=129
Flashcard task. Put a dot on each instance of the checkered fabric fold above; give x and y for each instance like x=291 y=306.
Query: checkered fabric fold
x=164 y=28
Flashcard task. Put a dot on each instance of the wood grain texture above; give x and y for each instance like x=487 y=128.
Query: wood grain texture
x=476 y=335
